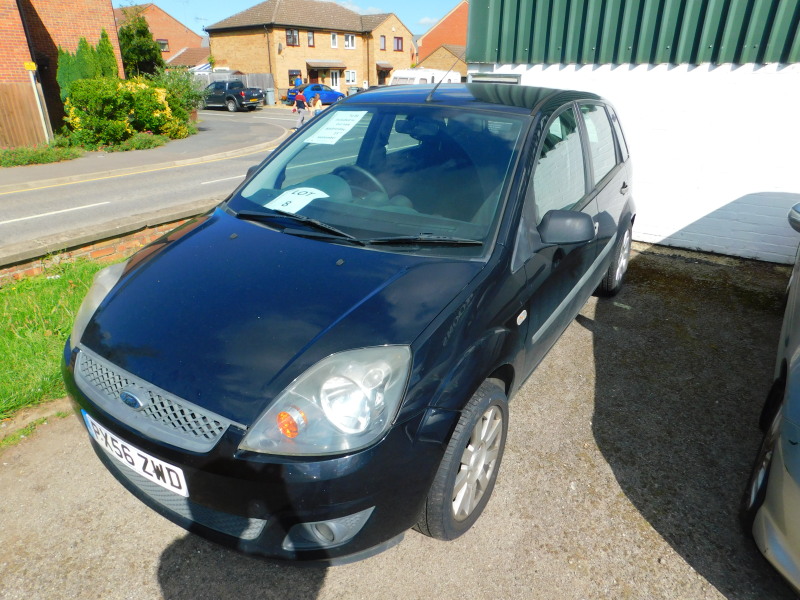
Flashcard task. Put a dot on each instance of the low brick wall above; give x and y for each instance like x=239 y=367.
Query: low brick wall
x=109 y=249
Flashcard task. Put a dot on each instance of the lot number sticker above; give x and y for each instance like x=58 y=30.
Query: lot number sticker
x=338 y=125
x=296 y=199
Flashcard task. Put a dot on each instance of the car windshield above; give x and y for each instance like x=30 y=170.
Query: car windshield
x=398 y=178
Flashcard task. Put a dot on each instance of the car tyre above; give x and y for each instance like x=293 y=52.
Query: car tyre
x=468 y=471
x=231 y=104
x=612 y=282
x=756 y=491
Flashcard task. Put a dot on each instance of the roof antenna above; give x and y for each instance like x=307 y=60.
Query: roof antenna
x=458 y=58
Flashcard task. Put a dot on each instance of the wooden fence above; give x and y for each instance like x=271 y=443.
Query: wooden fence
x=20 y=122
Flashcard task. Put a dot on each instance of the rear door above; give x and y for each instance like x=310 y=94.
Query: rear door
x=609 y=174
x=559 y=277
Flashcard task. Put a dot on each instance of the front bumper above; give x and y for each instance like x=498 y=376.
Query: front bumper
x=255 y=503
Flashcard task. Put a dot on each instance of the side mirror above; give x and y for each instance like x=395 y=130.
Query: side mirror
x=251 y=170
x=794 y=217
x=567 y=227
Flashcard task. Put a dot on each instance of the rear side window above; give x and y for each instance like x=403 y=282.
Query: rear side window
x=601 y=140
x=623 y=147
x=559 y=181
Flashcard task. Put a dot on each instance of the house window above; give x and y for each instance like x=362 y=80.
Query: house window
x=383 y=42
x=310 y=39
x=398 y=44
x=163 y=44
x=292 y=37
x=349 y=77
x=349 y=41
x=334 y=40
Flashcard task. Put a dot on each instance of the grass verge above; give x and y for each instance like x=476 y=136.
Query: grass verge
x=36 y=316
x=17 y=157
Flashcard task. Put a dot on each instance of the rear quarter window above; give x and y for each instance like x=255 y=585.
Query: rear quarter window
x=601 y=140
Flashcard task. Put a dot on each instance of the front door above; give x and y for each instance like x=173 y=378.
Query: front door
x=559 y=276
x=313 y=76
x=335 y=80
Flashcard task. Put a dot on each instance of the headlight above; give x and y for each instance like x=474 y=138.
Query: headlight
x=102 y=284
x=343 y=403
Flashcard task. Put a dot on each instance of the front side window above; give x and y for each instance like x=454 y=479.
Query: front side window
x=349 y=41
x=383 y=42
x=398 y=44
x=559 y=181
x=334 y=40
x=392 y=175
x=310 y=39
x=349 y=76
x=601 y=140
x=292 y=37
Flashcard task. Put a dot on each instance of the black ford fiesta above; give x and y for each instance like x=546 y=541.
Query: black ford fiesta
x=325 y=360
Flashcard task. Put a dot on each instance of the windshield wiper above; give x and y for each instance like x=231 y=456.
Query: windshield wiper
x=423 y=239
x=276 y=214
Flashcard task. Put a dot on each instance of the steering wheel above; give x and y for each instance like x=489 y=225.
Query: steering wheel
x=364 y=173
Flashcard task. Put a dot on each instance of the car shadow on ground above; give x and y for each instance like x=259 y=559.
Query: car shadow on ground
x=684 y=358
x=192 y=568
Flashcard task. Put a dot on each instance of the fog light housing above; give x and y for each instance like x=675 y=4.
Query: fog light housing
x=330 y=533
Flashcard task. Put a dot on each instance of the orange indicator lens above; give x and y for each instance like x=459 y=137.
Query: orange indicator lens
x=291 y=422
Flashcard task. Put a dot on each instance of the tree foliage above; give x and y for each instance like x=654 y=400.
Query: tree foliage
x=87 y=62
x=141 y=54
x=106 y=58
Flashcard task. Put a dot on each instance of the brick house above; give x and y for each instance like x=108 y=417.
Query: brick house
x=450 y=30
x=320 y=42
x=172 y=35
x=31 y=32
x=447 y=57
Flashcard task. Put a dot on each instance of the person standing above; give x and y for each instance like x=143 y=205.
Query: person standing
x=298 y=82
x=316 y=105
x=300 y=107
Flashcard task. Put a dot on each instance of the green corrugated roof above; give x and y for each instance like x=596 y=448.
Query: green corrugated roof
x=633 y=31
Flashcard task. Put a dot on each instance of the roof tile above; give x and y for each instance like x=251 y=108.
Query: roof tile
x=301 y=13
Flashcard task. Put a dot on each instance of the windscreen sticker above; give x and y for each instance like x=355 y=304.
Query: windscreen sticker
x=338 y=125
x=296 y=199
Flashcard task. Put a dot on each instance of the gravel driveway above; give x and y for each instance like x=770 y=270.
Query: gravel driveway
x=627 y=453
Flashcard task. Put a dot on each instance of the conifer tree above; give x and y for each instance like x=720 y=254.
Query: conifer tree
x=106 y=59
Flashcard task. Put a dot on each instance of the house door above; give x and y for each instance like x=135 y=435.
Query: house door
x=335 y=80
x=313 y=76
x=382 y=75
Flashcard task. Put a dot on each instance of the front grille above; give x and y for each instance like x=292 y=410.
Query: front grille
x=240 y=527
x=163 y=416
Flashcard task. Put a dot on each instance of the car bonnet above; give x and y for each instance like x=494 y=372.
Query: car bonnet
x=225 y=313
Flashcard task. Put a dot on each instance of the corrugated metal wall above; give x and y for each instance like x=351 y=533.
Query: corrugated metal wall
x=633 y=31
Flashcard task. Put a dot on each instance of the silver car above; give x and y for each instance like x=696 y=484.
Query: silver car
x=771 y=504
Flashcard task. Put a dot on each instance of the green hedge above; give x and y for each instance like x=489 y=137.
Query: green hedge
x=107 y=111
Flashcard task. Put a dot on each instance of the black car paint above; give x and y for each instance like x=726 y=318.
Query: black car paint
x=466 y=321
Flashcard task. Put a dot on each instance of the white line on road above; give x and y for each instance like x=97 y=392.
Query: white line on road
x=55 y=212
x=226 y=179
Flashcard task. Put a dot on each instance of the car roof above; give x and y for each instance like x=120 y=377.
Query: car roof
x=490 y=96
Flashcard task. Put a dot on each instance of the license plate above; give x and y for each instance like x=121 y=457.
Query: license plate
x=253 y=99
x=164 y=474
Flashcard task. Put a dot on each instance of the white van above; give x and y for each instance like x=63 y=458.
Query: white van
x=403 y=76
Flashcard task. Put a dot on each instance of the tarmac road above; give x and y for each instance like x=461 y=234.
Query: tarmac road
x=627 y=454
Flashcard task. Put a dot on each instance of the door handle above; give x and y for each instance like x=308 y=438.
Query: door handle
x=624 y=188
